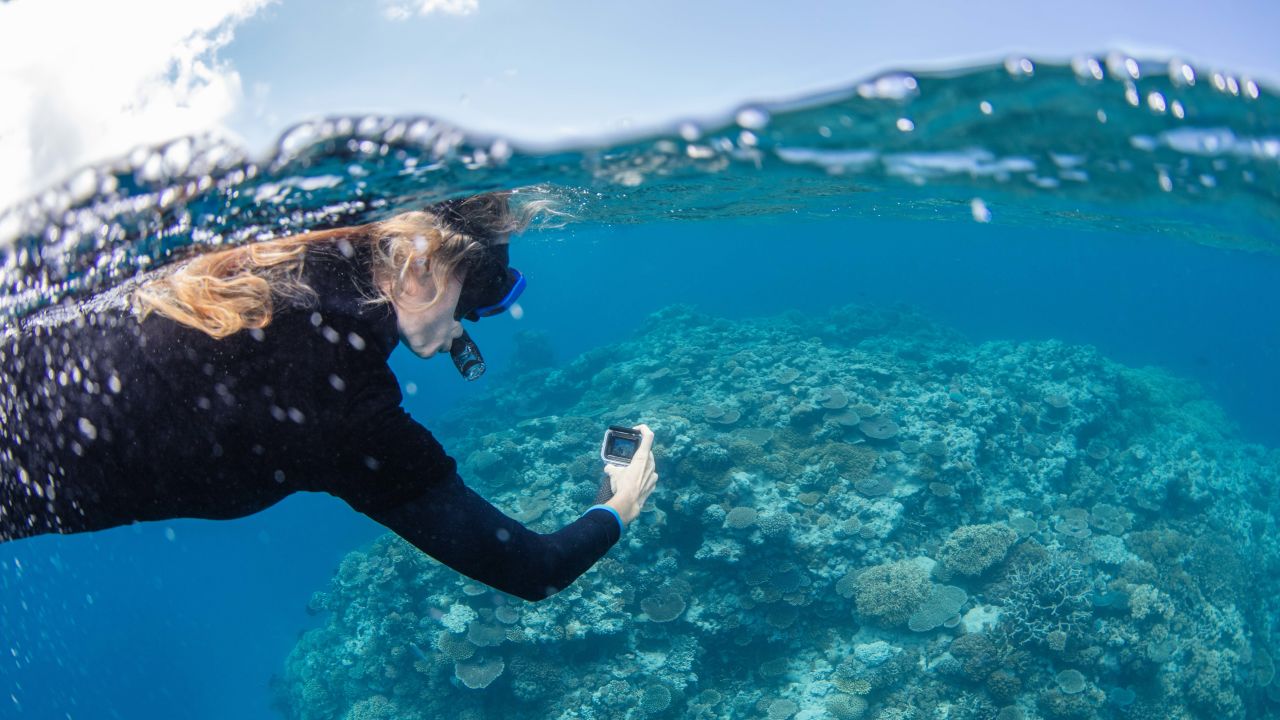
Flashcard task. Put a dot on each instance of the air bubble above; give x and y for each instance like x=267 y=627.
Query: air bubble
x=83 y=186
x=895 y=86
x=500 y=151
x=1181 y=73
x=980 y=211
x=689 y=132
x=699 y=152
x=1019 y=67
x=753 y=118
x=1087 y=68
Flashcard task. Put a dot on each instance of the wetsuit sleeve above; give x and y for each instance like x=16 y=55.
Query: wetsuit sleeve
x=392 y=469
x=459 y=528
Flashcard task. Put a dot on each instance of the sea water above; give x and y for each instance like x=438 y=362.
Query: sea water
x=963 y=387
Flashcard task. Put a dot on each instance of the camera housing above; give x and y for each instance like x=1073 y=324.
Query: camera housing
x=620 y=445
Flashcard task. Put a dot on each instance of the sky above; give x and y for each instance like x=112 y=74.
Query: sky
x=86 y=81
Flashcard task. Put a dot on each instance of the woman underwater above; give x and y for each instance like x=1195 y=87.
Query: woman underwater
x=217 y=387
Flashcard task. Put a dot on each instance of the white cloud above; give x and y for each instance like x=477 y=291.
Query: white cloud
x=406 y=9
x=86 y=81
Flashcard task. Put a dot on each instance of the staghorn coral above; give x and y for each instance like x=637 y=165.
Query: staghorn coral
x=1046 y=603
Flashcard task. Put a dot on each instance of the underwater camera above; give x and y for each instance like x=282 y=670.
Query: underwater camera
x=620 y=445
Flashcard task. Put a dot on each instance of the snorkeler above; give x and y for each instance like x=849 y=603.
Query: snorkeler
x=216 y=387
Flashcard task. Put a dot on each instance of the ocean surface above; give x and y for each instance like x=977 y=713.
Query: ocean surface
x=964 y=390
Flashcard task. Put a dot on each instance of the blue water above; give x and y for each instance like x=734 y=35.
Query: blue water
x=191 y=619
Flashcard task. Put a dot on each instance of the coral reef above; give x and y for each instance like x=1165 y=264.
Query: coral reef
x=971 y=549
x=891 y=593
x=861 y=515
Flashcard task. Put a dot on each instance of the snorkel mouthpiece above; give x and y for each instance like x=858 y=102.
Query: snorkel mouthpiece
x=466 y=357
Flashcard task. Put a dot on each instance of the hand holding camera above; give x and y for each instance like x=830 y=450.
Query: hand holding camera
x=629 y=465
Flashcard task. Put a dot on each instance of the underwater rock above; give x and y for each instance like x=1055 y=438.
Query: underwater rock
x=874 y=654
x=980 y=618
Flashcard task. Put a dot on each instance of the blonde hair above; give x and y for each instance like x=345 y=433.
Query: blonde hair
x=221 y=293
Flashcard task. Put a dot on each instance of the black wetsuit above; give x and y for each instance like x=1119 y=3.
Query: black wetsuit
x=106 y=421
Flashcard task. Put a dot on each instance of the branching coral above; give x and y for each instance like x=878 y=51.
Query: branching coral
x=1046 y=602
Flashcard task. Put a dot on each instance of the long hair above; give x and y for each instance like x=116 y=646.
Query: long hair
x=221 y=293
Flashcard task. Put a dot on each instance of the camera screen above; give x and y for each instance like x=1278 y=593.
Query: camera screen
x=622 y=447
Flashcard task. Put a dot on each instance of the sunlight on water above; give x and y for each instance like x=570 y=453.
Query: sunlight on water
x=1108 y=143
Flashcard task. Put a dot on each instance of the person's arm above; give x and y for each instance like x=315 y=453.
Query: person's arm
x=393 y=470
x=454 y=525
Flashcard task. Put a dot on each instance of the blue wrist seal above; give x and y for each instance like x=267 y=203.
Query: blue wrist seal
x=622 y=528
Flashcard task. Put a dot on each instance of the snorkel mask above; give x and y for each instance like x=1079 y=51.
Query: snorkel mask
x=489 y=288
